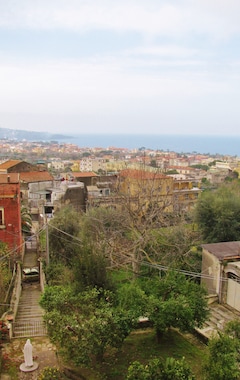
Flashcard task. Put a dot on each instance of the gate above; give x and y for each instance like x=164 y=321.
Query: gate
x=233 y=293
x=28 y=329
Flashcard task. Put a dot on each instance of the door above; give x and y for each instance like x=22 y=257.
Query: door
x=233 y=294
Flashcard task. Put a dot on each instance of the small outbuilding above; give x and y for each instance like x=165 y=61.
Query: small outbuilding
x=221 y=271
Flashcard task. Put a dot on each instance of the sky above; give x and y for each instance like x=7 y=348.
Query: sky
x=127 y=66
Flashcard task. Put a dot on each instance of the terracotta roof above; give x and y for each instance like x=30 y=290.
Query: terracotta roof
x=225 y=250
x=9 y=178
x=181 y=167
x=83 y=174
x=35 y=176
x=140 y=174
x=9 y=164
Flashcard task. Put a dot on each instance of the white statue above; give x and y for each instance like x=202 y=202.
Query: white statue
x=28 y=358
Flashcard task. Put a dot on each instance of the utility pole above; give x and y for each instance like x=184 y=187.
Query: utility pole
x=47 y=243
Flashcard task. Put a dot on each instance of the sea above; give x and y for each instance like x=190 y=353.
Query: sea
x=202 y=144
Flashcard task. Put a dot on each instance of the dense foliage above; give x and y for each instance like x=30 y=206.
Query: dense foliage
x=172 y=369
x=5 y=273
x=84 y=325
x=223 y=360
x=86 y=315
x=174 y=301
x=218 y=214
x=64 y=239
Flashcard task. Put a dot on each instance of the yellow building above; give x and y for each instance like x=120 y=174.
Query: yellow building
x=146 y=189
x=185 y=195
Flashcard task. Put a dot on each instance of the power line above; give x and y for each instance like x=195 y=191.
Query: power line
x=59 y=230
x=187 y=273
x=18 y=247
x=65 y=233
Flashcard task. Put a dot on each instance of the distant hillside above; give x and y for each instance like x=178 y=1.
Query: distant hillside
x=19 y=135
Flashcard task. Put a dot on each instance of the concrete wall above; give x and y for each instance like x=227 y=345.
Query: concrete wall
x=211 y=272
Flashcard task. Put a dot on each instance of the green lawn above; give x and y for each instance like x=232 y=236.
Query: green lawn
x=141 y=345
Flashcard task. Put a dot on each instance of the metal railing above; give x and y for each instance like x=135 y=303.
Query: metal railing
x=28 y=329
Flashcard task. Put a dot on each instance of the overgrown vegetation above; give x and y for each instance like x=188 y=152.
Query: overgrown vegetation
x=5 y=274
x=95 y=294
x=103 y=276
x=218 y=214
x=224 y=359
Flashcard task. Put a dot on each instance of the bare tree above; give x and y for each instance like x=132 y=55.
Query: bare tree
x=141 y=224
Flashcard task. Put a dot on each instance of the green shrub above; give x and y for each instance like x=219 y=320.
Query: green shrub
x=51 y=373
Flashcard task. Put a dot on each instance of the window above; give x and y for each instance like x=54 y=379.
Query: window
x=1 y=216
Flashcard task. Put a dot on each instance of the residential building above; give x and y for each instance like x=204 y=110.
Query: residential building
x=10 y=211
x=147 y=188
x=86 y=177
x=85 y=165
x=16 y=166
x=57 y=166
x=185 y=195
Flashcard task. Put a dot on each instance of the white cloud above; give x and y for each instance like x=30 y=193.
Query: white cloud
x=214 y=18
x=74 y=87
x=173 y=75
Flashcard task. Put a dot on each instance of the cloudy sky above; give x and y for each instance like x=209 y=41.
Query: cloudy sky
x=128 y=66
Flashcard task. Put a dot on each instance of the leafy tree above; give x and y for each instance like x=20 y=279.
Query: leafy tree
x=175 y=302
x=172 y=369
x=64 y=230
x=200 y=166
x=153 y=163
x=172 y=171
x=218 y=214
x=223 y=360
x=205 y=183
x=138 y=371
x=90 y=269
x=169 y=301
x=131 y=297
x=26 y=220
x=58 y=274
x=84 y=325
x=233 y=328
x=176 y=370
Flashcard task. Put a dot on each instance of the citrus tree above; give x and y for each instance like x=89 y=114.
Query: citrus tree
x=85 y=324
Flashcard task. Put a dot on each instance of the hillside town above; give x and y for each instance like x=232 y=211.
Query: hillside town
x=155 y=190
x=49 y=175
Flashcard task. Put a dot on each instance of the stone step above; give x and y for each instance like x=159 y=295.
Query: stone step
x=36 y=313
x=28 y=305
x=28 y=315
x=25 y=302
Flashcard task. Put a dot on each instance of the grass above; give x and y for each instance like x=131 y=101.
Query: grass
x=142 y=346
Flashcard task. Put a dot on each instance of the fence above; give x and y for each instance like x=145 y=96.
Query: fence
x=28 y=329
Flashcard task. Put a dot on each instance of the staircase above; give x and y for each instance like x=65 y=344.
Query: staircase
x=219 y=316
x=29 y=321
